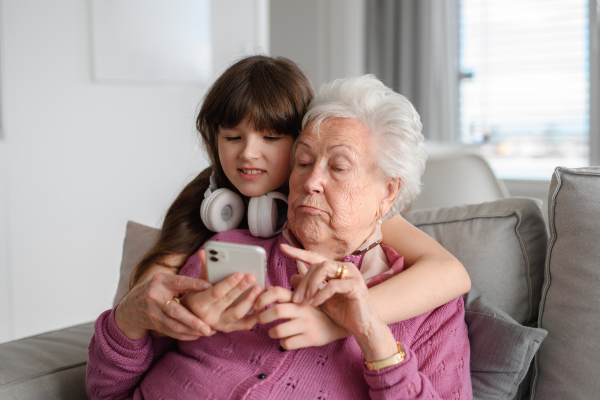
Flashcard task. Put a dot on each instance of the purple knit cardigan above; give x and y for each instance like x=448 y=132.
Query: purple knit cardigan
x=250 y=365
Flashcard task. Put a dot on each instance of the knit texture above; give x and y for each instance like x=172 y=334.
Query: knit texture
x=250 y=365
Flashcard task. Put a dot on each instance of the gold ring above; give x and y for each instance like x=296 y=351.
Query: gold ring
x=342 y=272
x=165 y=307
x=338 y=273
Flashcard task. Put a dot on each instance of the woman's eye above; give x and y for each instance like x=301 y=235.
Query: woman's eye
x=338 y=169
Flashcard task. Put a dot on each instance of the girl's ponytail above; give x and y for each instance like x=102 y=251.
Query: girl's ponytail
x=182 y=232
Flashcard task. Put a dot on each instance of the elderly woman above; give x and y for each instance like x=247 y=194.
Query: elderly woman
x=359 y=158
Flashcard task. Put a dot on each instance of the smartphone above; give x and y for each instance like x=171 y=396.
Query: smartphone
x=224 y=259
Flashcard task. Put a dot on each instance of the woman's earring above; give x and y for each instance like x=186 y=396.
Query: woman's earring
x=379 y=221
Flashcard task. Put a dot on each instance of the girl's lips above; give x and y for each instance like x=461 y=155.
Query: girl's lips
x=251 y=177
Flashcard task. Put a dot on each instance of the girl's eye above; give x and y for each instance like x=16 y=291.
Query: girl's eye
x=232 y=138
x=272 y=138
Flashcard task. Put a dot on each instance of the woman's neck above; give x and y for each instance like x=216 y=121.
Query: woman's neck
x=326 y=250
x=336 y=248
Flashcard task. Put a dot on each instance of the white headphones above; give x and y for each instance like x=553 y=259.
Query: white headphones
x=223 y=209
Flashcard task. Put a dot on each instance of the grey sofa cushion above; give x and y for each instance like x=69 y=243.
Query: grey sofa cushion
x=501 y=349
x=567 y=366
x=138 y=240
x=502 y=245
x=47 y=366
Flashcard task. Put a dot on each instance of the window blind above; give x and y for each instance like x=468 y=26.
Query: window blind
x=524 y=92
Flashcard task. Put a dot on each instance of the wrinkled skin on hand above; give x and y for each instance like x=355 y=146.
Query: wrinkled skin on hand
x=345 y=301
x=143 y=309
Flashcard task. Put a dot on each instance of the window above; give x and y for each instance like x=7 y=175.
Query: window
x=525 y=84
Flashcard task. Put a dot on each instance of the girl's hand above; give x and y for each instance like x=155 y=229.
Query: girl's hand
x=306 y=326
x=143 y=309
x=212 y=304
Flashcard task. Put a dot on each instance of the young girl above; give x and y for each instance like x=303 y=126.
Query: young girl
x=249 y=121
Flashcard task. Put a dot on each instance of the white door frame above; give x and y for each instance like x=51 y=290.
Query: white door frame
x=5 y=276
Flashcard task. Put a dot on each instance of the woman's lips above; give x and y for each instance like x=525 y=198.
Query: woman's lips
x=251 y=174
x=309 y=210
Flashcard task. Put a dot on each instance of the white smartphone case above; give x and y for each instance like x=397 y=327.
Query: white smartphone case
x=224 y=259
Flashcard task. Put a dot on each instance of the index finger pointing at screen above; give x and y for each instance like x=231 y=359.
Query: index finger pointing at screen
x=308 y=257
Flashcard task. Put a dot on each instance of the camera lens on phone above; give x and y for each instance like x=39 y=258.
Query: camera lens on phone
x=214 y=259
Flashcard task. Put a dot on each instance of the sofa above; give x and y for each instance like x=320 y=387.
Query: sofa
x=533 y=312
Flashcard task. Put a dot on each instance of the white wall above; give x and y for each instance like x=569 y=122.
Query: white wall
x=82 y=158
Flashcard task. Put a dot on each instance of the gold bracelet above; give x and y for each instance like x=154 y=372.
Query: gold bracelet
x=388 y=362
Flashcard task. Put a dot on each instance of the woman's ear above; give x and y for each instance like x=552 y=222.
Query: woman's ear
x=390 y=193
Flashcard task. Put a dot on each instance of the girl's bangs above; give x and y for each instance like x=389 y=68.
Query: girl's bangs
x=266 y=111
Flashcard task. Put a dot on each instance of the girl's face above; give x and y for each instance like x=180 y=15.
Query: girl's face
x=255 y=162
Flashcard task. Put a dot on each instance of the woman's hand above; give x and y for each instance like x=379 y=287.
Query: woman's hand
x=212 y=305
x=346 y=301
x=143 y=309
x=306 y=326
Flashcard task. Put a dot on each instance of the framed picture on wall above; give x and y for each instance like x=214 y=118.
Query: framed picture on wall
x=151 y=41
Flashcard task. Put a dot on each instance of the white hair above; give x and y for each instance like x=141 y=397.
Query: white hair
x=389 y=116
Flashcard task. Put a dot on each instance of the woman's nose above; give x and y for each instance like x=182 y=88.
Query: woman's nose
x=314 y=181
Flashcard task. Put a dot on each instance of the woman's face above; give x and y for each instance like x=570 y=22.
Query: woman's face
x=255 y=162
x=336 y=189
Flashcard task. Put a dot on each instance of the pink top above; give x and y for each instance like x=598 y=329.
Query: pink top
x=250 y=365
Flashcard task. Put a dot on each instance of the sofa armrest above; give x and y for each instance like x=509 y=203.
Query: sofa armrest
x=47 y=366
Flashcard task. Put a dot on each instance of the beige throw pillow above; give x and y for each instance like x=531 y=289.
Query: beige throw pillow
x=138 y=240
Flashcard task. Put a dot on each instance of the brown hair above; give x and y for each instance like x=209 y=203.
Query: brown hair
x=274 y=94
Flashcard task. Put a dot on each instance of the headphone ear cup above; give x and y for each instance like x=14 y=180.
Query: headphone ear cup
x=222 y=210
x=263 y=214
x=253 y=216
